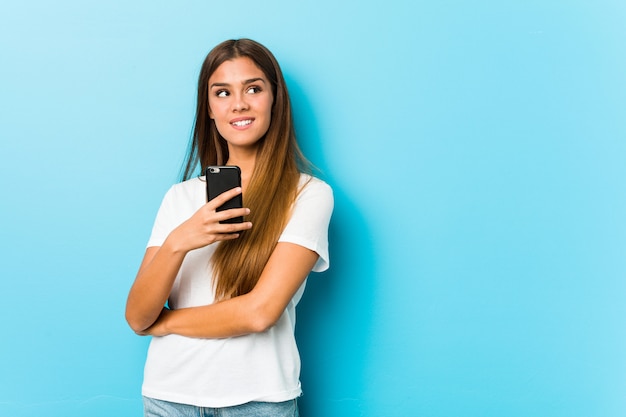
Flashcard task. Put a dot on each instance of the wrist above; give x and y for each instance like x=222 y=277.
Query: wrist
x=174 y=246
x=161 y=326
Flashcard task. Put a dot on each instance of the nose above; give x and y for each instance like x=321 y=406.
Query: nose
x=240 y=103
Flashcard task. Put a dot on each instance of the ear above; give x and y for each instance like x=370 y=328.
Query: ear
x=210 y=113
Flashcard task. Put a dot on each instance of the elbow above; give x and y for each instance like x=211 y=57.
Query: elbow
x=136 y=323
x=260 y=324
x=135 y=327
x=262 y=313
x=262 y=320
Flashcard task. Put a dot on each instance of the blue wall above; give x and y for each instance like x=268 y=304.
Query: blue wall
x=477 y=153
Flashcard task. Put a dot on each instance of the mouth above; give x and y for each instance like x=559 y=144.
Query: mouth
x=241 y=122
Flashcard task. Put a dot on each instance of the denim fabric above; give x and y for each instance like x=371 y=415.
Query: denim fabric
x=159 y=408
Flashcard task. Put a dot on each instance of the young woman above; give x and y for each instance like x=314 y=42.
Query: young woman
x=225 y=345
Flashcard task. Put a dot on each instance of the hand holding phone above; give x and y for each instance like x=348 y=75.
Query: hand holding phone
x=220 y=179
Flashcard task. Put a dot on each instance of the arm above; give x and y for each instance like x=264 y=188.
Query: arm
x=160 y=265
x=257 y=311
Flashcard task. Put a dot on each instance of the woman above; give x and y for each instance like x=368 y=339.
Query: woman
x=226 y=341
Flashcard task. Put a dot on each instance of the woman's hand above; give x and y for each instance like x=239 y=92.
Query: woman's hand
x=204 y=227
x=160 y=265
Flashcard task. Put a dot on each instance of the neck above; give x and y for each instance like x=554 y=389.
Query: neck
x=245 y=161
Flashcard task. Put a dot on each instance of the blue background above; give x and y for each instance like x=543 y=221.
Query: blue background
x=477 y=151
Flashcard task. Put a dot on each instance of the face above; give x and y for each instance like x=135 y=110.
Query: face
x=240 y=103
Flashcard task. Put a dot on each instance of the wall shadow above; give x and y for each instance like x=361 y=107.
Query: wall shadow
x=335 y=313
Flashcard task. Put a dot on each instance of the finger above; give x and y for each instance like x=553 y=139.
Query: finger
x=224 y=197
x=232 y=213
x=229 y=228
x=229 y=231
x=224 y=236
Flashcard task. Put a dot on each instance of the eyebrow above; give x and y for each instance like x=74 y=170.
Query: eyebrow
x=244 y=82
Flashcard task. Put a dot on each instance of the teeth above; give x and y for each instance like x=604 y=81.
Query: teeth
x=242 y=123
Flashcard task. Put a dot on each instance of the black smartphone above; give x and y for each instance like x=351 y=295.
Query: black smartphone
x=220 y=179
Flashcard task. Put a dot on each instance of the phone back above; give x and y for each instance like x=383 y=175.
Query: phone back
x=220 y=179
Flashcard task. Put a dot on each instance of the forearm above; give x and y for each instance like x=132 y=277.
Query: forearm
x=253 y=312
x=152 y=286
x=233 y=317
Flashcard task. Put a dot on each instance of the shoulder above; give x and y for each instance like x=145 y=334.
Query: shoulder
x=191 y=184
x=310 y=186
x=186 y=195
x=310 y=218
x=189 y=187
x=314 y=195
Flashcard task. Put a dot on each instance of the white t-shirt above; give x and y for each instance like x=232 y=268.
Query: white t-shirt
x=231 y=371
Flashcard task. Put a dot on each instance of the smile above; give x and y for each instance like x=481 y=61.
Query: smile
x=241 y=123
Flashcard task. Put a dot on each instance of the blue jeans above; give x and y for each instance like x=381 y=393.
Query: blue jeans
x=159 y=408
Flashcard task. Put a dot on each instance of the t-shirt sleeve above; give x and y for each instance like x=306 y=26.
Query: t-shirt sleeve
x=163 y=222
x=308 y=226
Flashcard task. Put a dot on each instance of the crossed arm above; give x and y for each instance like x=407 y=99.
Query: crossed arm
x=253 y=312
x=256 y=311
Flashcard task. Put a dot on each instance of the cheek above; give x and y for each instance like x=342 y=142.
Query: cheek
x=215 y=108
x=270 y=108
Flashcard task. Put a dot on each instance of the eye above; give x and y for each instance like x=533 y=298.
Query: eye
x=254 y=89
x=221 y=93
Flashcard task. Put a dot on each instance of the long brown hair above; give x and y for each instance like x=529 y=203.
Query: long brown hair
x=273 y=187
